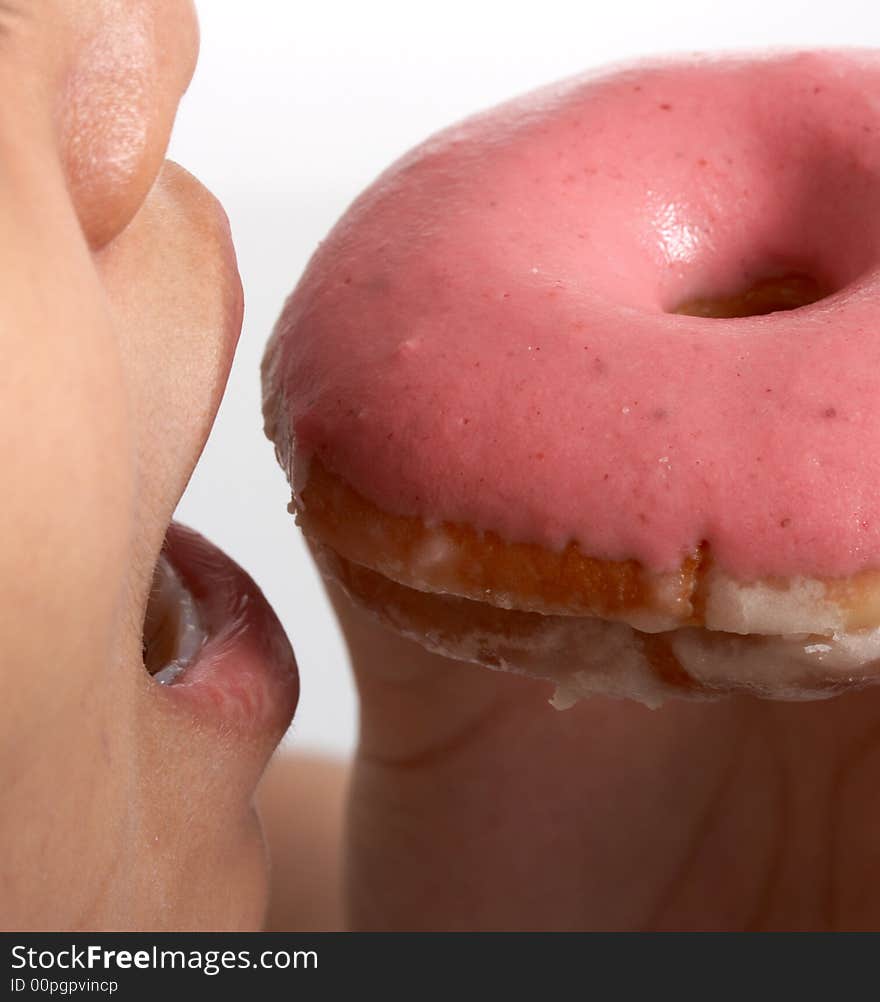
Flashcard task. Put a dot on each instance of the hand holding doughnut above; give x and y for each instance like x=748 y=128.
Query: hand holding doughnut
x=489 y=333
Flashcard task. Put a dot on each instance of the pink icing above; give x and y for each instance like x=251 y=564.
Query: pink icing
x=482 y=337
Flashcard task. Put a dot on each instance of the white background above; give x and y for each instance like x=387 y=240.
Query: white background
x=295 y=107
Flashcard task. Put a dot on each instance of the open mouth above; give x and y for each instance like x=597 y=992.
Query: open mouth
x=212 y=641
x=173 y=629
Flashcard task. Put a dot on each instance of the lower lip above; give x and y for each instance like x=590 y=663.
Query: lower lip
x=244 y=675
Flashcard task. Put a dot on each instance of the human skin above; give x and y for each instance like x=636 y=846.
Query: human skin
x=126 y=805
x=473 y=803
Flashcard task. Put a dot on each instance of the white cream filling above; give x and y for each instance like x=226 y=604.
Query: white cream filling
x=801 y=605
x=587 y=657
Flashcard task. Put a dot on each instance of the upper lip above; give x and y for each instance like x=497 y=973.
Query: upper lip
x=244 y=677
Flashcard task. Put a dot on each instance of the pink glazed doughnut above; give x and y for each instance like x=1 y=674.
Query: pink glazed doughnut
x=588 y=386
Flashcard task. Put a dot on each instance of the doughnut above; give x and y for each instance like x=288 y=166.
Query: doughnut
x=588 y=386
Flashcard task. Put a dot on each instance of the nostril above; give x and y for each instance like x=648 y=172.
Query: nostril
x=772 y=294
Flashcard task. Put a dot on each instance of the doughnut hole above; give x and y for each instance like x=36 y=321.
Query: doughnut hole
x=768 y=295
x=803 y=230
x=759 y=194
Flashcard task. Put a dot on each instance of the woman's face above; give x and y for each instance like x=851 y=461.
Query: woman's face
x=127 y=803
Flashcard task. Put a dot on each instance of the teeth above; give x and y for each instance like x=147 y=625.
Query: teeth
x=173 y=631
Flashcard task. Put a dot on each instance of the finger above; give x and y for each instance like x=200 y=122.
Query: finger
x=508 y=813
x=413 y=702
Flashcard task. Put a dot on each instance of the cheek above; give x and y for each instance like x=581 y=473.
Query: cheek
x=69 y=816
x=67 y=455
